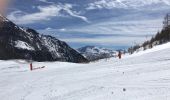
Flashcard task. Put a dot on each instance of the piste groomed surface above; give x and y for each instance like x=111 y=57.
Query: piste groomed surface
x=142 y=76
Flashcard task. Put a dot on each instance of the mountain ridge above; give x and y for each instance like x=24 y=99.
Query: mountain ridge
x=93 y=53
x=26 y=43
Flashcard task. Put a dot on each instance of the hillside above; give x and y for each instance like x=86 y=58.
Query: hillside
x=160 y=38
x=24 y=43
x=141 y=76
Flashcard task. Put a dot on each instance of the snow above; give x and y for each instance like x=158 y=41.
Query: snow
x=53 y=48
x=154 y=49
x=92 y=50
x=23 y=45
x=2 y=18
x=96 y=50
x=142 y=76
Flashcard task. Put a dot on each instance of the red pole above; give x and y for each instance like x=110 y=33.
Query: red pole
x=31 y=67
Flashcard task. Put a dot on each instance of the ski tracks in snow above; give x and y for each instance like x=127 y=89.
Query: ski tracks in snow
x=141 y=77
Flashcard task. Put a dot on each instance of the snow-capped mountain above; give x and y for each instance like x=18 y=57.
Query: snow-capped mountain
x=95 y=53
x=25 y=43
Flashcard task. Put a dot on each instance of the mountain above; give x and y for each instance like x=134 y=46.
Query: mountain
x=25 y=43
x=93 y=53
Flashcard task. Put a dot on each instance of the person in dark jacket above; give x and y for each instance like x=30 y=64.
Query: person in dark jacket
x=120 y=55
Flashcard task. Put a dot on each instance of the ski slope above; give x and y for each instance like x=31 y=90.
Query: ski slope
x=142 y=76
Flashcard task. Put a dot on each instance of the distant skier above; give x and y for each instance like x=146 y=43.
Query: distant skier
x=120 y=55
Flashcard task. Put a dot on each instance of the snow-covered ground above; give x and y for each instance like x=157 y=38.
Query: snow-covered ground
x=142 y=76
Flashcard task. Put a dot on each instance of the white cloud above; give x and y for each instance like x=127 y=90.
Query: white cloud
x=48 y=29
x=62 y=30
x=114 y=33
x=45 y=13
x=43 y=0
x=46 y=1
x=107 y=40
x=109 y=4
x=133 y=27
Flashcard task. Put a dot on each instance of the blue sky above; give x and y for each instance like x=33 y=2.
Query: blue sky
x=106 y=23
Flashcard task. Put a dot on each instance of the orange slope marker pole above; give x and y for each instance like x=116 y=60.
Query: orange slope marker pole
x=31 y=67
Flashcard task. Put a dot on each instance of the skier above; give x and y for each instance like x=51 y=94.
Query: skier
x=120 y=55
